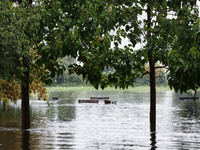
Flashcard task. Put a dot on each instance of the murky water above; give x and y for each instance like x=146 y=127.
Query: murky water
x=67 y=124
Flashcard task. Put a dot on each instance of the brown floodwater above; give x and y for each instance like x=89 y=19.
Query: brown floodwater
x=66 y=124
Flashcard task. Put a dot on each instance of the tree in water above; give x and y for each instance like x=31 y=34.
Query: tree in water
x=48 y=27
x=159 y=34
x=20 y=47
x=85 y=30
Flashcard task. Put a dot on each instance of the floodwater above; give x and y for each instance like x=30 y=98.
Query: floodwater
x=66 y=124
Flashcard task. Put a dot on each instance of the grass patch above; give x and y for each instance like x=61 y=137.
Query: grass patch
x=134 y=89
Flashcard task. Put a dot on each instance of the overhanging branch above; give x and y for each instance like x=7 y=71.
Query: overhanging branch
x=161 y=67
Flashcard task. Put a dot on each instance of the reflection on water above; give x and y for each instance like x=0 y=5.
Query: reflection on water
x=25 y=140
x=153 y=141
x=66 y=124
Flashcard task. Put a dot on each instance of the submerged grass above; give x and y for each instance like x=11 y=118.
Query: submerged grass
x=134 y=89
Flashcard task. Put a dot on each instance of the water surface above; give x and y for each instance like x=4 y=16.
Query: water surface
x=66 y=124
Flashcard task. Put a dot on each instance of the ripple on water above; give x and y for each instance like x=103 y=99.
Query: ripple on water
x=67 y=124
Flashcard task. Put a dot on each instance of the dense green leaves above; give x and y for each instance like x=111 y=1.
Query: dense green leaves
x=92 y=32
x=184 y=59
x=14 y=42
x=173 y=26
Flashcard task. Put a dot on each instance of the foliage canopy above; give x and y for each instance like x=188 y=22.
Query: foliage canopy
x=167 y=31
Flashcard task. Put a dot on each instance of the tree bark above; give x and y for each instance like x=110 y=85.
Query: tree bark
x=152 y=74
x=25 y=100
x=152 y=95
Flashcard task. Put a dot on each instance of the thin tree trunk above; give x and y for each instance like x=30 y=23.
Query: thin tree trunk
x=152 y=96
x=25 y=100
x=152 y=75
x=195 y=93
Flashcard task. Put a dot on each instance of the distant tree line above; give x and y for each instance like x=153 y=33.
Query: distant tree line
x=67 y=79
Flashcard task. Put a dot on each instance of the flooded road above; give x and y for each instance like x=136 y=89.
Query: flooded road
x=66 y=124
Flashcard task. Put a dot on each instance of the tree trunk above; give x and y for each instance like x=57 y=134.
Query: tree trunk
x=152 y=74
x=195 y=93
x=25 y=89
x=25 y=100
x=152 y=96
